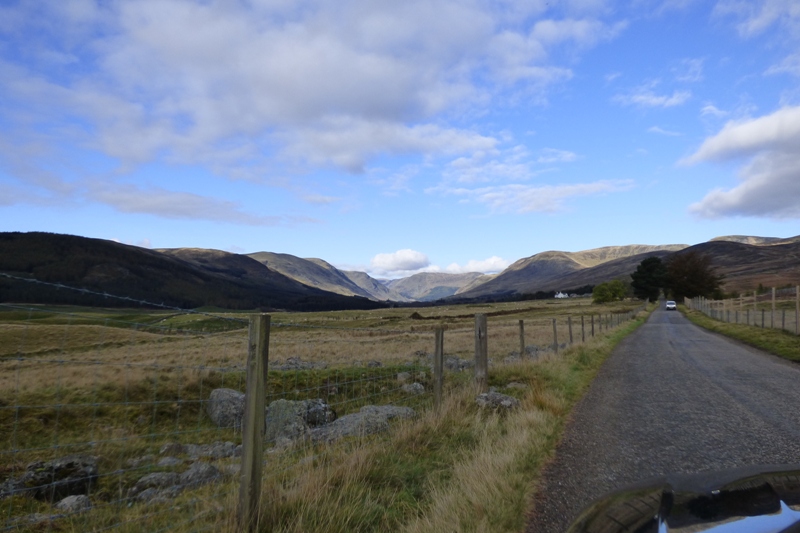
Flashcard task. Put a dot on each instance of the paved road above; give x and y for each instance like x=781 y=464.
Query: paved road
x=671 y=398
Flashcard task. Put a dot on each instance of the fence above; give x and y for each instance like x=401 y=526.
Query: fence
x=140 y=419
x=774 y=309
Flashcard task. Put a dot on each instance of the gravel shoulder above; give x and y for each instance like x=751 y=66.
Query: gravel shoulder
x=671 y=398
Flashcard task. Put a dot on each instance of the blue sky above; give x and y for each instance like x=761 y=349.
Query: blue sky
x=397 y=137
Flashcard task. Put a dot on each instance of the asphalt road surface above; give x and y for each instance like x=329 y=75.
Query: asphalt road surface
x=671 y=398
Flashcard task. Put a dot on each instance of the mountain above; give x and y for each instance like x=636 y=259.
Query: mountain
x=432 y=286
x=378 y=291
x=186 y=278
x=756 y=241
x=554 y=270
x=312 y=273
x=745 y=266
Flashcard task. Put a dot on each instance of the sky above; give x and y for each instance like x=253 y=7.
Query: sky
x=399 y=137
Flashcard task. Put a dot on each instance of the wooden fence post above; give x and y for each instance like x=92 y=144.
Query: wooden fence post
x=521 y=339
x=253 y=422
x=592 y=325
x=555 y=337
x=569 y=326
x=583 y=330
x=438 y=368
x=797 y=310
x=772 y=318
x=481 y=354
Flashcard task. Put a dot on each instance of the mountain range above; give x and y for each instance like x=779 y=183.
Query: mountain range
x=192 y=277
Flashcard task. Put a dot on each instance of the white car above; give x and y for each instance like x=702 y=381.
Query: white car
x=671 y=306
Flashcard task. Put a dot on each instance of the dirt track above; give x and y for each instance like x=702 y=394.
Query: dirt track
x=671 y=398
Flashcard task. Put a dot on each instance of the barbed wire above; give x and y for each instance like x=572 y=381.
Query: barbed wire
x=121 y=298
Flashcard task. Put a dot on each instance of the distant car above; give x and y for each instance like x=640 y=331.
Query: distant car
x=671 y=306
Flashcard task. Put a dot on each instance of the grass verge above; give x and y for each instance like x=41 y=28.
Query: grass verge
x=775 y=341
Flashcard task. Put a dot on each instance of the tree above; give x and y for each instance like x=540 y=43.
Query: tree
x=609 y=291
x=649 y=278
x=691 y=274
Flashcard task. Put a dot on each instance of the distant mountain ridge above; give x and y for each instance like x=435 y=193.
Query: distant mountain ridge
x=193 y=277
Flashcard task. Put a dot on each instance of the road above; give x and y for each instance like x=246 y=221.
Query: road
x=671 y=398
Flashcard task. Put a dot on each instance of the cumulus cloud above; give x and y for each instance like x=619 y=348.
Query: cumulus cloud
x=777 y=131
x=182 y=77
x=770 y=181
x=400 y=262
x=490 y=265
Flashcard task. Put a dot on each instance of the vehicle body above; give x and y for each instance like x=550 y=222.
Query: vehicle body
x=756 y=499
x=671 y=306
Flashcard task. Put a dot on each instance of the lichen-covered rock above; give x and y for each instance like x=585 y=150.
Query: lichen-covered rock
x=55 y=480
x=199 y=474
x=414 y=388
x=496 y=401
x=74 y=504
x=389 y=411
x=225 y=407
x=288 y=420
x=352 y=425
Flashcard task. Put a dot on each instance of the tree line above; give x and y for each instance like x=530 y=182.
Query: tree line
x=684 y=275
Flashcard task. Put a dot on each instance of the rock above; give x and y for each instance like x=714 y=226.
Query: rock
x=154 y=481
x=55 y=480
x=74 y=504
x=136 y=462
x=168 y=462
x=295 y=363
x=352 y=425
x=374 y=364
x=497 y=401
x=199 y=474
x=414 y=388
x=172 y=448
x=402 y=377
x=389 y=411
x=225 y=407
x=319 y=413
x=457 y=364
x=286 y=422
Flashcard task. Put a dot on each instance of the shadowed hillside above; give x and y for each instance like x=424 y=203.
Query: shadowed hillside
x=199 y=278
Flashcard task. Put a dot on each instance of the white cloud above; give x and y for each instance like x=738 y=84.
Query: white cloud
x=789 y=65
x=401 y=261
x=689 y=70
x=712 y=110
x=156 y=201
x=645 y=96
x=756 y=16
x=182 y=79
x=777 y=131
x=490 y=265
x=518 y=198
x=770 y=188
x=770 y=184
x=553 y=155
x=662 y=131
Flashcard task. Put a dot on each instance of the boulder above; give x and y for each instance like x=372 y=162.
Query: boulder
x=199 y=474
x=225 y=407
x=414 y=388
x=74 y=504
x=53 y=481
x=497 y=401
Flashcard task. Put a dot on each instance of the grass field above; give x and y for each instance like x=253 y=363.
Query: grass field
x=121 y=384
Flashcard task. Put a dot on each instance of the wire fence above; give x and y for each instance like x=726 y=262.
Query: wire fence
x=133 y=419
x=774 y=309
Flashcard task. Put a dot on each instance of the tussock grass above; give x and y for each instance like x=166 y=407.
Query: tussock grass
x=89 y=387
x=459 y=470
x=775 y=341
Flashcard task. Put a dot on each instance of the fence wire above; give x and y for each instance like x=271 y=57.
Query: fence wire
x=109 y=422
